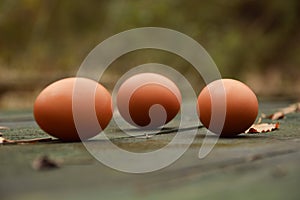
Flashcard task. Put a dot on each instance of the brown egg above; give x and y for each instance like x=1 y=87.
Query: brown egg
x=53 y=108
x=241 y=107
x=148 y=100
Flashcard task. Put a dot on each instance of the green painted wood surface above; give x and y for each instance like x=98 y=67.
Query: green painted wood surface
x=260 y=166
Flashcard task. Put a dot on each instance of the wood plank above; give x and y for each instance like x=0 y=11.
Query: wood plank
x=259 y=166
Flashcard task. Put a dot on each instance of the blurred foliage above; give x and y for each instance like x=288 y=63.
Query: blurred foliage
x=256 y=41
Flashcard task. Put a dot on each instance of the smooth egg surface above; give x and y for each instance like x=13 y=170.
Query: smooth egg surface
x=240 y=102
x=54 y=108
x=148 y=100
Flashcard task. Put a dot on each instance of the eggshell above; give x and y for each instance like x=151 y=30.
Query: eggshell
x=241 y=106
x=148 y=100
x=53 y=110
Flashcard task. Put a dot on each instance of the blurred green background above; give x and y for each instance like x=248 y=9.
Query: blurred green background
x=41 y=41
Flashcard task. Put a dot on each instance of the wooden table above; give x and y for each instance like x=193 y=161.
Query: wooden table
x=257 y=166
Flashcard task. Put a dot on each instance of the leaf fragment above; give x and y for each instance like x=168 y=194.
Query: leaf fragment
x=3 y=128
x=283 y=112
x=276 y=116
x=29 y=141
x=2 y=140
x=263 y=128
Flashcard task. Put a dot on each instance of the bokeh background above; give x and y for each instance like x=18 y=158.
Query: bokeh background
x=41 y=41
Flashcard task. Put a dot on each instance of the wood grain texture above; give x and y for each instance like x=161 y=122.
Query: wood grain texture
x=256 y=166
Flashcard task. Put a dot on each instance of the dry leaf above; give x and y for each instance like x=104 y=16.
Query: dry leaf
x=277 y=115
x=262 y=128
x=35 y=140
x=3 y=127
x=2 y=140
x=44 y=163
x=284 y=111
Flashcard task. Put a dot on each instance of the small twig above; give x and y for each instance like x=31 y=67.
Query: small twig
x=162 y=132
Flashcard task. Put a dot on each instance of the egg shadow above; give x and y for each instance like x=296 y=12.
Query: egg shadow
x=234 y=137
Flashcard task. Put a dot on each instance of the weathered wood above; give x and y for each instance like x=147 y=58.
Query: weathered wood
x=256 y=166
